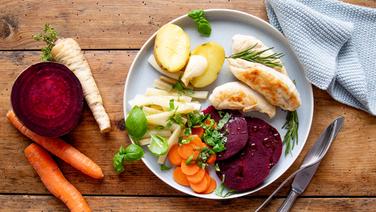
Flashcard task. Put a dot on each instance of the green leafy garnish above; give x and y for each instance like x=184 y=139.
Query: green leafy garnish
x=216 y=167
x=181 y=89
x=164 y=167
x=172 y=104
x=219 y=191
x=158 y=145
x=136 y=123
x=292 y=126
x=131 y=153
x=203 y=25
x=253 y=55
x=215 y=139
x=223 y=120
x=49 y=35
x=189 y=160
x=195 y=119
x=185 y=140
x=187 y=131
x=203 y=157
x=175 y=118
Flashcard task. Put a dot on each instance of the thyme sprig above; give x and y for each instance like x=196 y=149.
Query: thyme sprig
x=292 y=126
x=253 y=55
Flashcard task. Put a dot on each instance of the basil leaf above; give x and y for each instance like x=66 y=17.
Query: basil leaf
x=203 y=25
x=158 y=145
x=136 y=123
x=131 y=153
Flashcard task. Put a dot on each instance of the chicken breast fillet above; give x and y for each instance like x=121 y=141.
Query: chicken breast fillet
x=244 y=42
x=277 y=88
x=237 y=96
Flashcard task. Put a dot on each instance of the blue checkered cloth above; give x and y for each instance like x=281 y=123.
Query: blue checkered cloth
x=336 y=44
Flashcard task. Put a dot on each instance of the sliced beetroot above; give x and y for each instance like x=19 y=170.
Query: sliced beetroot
x=265 y=136
x=212 y=112
x=47 y=97
x=237 y=136
x=246 y=170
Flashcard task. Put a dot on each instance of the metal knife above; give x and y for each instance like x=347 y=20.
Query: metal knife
x=304 y=177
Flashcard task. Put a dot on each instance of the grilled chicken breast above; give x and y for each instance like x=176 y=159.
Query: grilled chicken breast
x=237 y=96
x=277 y=88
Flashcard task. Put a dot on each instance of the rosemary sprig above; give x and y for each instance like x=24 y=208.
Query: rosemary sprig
x=49 y=35
x=253 y=55
x=292 y=126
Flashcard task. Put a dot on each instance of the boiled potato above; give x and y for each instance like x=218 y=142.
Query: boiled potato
x=215 y=56
x=171 y=48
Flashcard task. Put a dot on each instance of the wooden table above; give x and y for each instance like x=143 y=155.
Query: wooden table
x=111 y=32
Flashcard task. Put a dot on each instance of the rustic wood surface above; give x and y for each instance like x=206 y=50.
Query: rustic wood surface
x=111 y=32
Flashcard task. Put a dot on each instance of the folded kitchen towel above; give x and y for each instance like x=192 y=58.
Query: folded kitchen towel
x=336 y=44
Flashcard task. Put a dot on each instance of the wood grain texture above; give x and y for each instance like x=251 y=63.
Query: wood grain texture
x=172 y=204
x=105 y=24
x=348 y=169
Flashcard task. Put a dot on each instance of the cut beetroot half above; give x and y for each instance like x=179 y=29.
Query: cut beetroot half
x=47 y=97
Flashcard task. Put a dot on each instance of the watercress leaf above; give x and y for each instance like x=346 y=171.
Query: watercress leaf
x=164 y=167
x=158 y=145
x=136 y=123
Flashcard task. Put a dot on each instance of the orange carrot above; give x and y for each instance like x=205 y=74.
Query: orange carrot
x=58 y=147
x=199 y=131
x=180 y=177
x=196 y=178
x=190 y=169
x=185 y=150
x=211 y=159
x=212 y=186
x=173 y=155
x=196 y=142
x=54 y=180
x=202 y=186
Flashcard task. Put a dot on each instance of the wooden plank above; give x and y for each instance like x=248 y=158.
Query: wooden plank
x=49 y=203
x=349 y=168
x=105 y=24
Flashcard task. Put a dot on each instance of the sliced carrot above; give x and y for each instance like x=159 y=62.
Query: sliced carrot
x=212 y=186
x=190 y=169
x=202 y=186
x=199 y=131
x=196 y=178
x=185 y=151
x=180 y=177
x=211 y=159
x=173 y=155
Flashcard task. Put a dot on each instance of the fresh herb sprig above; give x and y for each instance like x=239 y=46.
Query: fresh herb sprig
x=253 y=55
x=292 y=126
x=132 y=152
x=203 y=25
x=49 y=35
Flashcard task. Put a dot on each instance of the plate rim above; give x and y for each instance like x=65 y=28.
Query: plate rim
x=282 y=37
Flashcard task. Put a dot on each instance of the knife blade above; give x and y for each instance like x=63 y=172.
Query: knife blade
x=304 y=177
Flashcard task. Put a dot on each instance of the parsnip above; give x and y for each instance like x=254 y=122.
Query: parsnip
x=150 y=110
x=163 y=101
x=174 y=138
x=68 y=52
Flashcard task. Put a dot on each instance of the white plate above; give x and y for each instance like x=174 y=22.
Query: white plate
x=226 y=23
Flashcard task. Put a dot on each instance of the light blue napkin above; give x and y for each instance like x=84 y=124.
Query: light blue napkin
x=336 y=44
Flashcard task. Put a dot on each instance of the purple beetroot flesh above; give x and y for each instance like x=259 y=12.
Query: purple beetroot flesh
x=265 y=137
x=47 y=97
x=246 y=170
x=237 y=136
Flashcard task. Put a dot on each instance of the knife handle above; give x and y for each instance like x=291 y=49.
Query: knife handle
x=289 y=202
